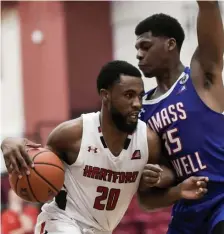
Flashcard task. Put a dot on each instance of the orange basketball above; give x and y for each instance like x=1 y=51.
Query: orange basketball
x=45 y=180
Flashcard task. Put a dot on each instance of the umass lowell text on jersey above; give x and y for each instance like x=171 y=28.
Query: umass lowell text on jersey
x=192 y=133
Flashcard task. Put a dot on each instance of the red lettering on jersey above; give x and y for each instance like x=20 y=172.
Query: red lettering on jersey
x=104 y=192
x=128 y=177
x=92 y=172
x=122 y=177
x=109 y=173
x=110 y=176
x=115 y=176
x=134 y=176
x=87 y=171
x=110 y=195
x=103 y=174
x=95 y=173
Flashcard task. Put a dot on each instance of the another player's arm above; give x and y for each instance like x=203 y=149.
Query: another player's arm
x=153 y=197
x=65 y=140
x=166 y=175
x=207 y=61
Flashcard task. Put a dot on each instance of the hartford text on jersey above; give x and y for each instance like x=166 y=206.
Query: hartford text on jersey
x=109 y=175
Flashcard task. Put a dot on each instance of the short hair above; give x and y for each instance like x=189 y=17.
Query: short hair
x=110 y=73
x=162 y=25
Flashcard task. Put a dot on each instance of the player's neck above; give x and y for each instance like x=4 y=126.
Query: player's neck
x=169 y=77
x=112 y=135
x=108 y=126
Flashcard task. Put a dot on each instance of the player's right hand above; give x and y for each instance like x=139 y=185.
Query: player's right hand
x=15 y=155
x=151 y=176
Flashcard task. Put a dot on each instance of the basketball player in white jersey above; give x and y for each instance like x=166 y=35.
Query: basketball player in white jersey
x=104 y=155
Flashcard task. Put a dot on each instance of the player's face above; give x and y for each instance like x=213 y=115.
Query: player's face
x=126 y=102
x=152 y=53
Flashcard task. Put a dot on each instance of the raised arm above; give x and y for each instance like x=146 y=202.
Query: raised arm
x=210 y=35
x=209 y=53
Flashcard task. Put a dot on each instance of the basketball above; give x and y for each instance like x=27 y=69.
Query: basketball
x=45 y=180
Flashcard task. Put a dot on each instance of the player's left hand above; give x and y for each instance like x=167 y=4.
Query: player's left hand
x=193 y=187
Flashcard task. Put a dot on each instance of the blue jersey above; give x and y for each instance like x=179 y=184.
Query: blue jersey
x=193 y=141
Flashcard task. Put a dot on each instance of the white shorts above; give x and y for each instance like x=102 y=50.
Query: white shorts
x=51 y=224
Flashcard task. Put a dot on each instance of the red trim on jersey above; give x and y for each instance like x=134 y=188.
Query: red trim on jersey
x=42 y=228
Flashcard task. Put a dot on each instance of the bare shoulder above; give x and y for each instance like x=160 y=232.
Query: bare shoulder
x=65 y=139
x=151 y=135
x=69 y=130
x=154 y=146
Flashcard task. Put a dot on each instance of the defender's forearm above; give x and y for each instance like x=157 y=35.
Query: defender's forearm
x=155 y=198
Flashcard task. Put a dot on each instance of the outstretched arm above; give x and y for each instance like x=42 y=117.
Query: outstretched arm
x=191 y=188
x=210 y=50
x=210 y=35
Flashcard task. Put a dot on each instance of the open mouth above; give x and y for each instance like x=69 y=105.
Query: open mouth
x=134 y=116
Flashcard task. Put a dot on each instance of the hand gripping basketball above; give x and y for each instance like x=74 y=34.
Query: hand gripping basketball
x=16 y=157
x=45 y=179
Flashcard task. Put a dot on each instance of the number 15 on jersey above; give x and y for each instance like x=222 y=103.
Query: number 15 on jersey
x=172 y=141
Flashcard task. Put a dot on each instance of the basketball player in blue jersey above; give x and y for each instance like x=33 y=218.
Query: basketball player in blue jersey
x=186 y=109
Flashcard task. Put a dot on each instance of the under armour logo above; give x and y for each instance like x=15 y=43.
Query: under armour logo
x=94 y=149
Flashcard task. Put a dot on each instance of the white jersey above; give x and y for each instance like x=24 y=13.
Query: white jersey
x=99 y=186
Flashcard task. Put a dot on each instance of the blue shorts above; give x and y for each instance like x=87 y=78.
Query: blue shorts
x=201 y=223
x=216 y=217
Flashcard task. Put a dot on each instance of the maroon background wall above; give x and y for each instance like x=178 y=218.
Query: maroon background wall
x=89 y=46
x=45 y=74
x=59 y=75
